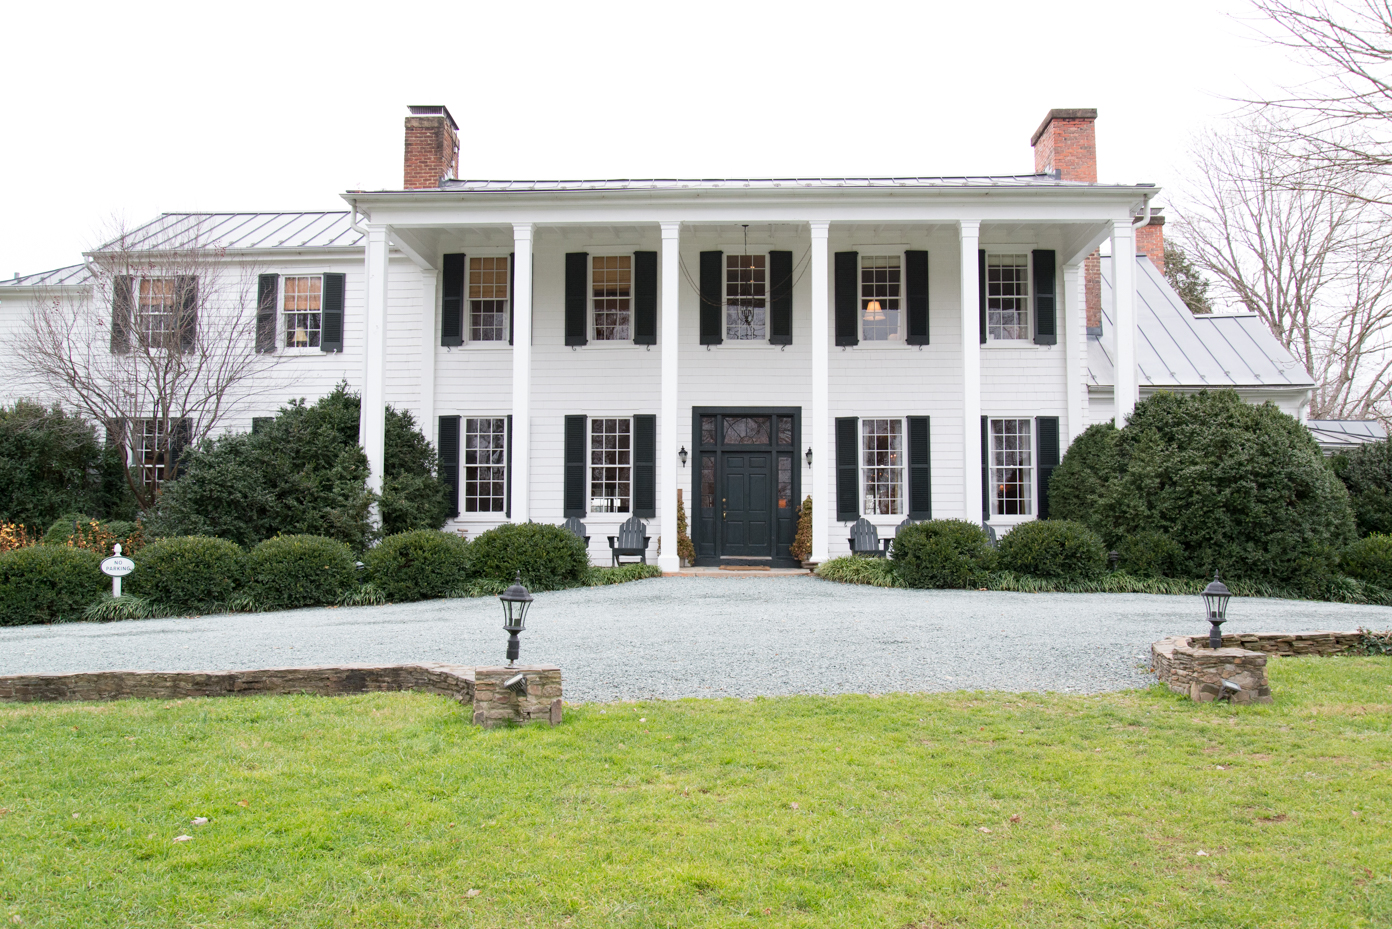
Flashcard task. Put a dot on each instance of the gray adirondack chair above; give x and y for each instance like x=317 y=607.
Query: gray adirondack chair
x=990 y=533
x=632 y=540
x=865 y=540
x=577 y=528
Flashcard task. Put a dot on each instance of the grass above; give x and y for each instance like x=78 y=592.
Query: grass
x=1135 y=809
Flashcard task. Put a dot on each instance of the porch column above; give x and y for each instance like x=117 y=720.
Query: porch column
x=972 y=491
x=372 y=416
x=667 y=425
x=823 y=505
x=1124 y=314
x=1075 y=348
x=522 y=372
x=430 y=327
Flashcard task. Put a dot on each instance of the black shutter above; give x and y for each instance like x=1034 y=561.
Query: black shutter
x=577 y=269
x=116 y=434
x=186 y=290
x=985 y=470
x=712 y=298
x=449 y=460
x=916 y=292
x=331 y=317
x=1047 y=445
x=780 y=298
x=507 y=501
x=920 y=469
x=512 y=305
x=180 y=434
x=981 y=290
x=645 y=298
x=1045 y=315
x=267 y=287
x=847 y=471
x=122 y=309
x=645 y=467
x=847 y=304
x=574 y=499
x=452 y=301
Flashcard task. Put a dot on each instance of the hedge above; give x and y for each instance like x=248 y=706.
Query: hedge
x=48 y=584
x=291 y=571
x=189 y=574
x=549 y=557
x=1054 y=549
x=419 y=565
x=943 y=553
x=1370 y=560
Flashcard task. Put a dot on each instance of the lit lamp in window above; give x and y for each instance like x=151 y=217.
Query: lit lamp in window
x=301 y=338
x=873 y=312
x=1216 y=596
x=516 y=600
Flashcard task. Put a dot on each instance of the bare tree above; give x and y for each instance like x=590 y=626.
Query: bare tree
x=1306 y=252
x=160 y=346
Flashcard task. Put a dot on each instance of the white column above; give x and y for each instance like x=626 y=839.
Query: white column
x=971 y=374
x=430 y=328
x=1124 y=317
x=522 y=372
x=1075 y=347
x=372 y=419
x=823 y=503
x=667 y=425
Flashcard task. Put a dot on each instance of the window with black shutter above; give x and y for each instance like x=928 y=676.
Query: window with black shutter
x=1047 y=443
x=508 y=510
x=981 y=291
x=452 y=301
x=449 y=460
x=645 y=298
x=916 y=296
x=712 y=298
x=645 y=466
x=1045 y=311
x=331 y=323
x=847 y=470
x=576 y=442
x=847 y=309
x=267 y=290
x=985 y=469
x=122 y=312
x=781 y=298
x=920 y=469
x=577 y=267
x=186 y=295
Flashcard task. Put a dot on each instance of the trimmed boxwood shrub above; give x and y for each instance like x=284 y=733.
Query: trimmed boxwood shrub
x=943 y=553
x=1080 y=480
x=1367 y=473
x=1057 y=549
x=419 y=565
x=48 y=584
x=291 y=571
x=1150 y=554
x=549 y=557
x=189 y=574
x=1370 y=560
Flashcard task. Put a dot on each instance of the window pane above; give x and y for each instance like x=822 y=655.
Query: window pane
x=301 y=308
x=611 y=465
x=1007 y=296
x=746 y=286
x=155 y=318
x=488 y=299
x=879 y=298
x=612 y=285
x=746 y=430
x=708 y=482
x=1012 y=467
x=707 y=430
x=785 y=431
x=485 y=465
x=785 y=481
x=882 y=465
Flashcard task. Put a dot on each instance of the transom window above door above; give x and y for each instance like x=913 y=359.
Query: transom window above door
x=1007 y=296
x=746 y=297
x=488 y=299
x=880 y=285
x=611 y=283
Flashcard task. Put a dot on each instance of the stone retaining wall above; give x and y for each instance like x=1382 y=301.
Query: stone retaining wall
x=1199 y=672
x=495 y=705
x=1287 y=644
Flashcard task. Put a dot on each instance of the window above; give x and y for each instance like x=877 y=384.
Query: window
x=882 y=464
x=485 y=465
x=1012 y=467
x=611 y=465
x=151 y=446
x=611 y=283
x=302 y=303
x=488 y=299
x=1007 y=296
x=157 y=309
x=746 y=297
x=879 y=298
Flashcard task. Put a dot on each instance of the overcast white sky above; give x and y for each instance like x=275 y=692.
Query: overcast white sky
x=129 y=110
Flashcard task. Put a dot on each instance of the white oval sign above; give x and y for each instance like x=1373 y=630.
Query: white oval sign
x=117 y=567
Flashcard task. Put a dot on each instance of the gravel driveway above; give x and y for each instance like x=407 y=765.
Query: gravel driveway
x=706 y=637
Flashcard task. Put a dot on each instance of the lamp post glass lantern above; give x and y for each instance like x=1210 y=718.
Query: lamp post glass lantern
x=1216 y=596
x=808 y=456
x=682 y=455
x=516 y=600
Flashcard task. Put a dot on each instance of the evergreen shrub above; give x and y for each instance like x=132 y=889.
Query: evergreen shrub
x=1370 y=560
x=419 y=565
x=549 y=557
x=1056 y=549
x=292 y=571
x=189 y=574
x=1150 y=554
x=48 y=584
x=1366 y=472
x=948 y=553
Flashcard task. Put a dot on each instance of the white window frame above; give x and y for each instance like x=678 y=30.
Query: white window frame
x=724 y=298
x=136 y=449
x=1032 y=476
x=1027 y=251
x=283 y=323
x=592 y=329
x=464 y=511
x=137 y=322
x=901 y=503
x=590 y=469
x=883 y=251
x=505 y=341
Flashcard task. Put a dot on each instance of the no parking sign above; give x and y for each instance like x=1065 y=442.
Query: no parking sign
x=117 y=567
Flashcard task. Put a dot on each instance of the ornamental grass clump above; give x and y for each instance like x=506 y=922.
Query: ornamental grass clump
x=943 y=553
x=419 y=565
x=549 y=557
x=189 y=574
x=48 y=584
x=1053 y=549
x=292 y=571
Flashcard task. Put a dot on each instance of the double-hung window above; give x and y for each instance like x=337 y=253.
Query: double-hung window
x=157 y=310
x=1007 y=296
x=302 y=306
x=746 y=297
x=882 y=466
x=611 y=465
x=1012 y=467
x=881 y=285
x=485 y=464
x=155 y=443
x=488 y=299
x=611 y=282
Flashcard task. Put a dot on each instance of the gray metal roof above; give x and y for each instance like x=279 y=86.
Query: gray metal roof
x=728 y=183
x=59 y=277
x=1175 y=348
x=243 y=230
x=1341 y=434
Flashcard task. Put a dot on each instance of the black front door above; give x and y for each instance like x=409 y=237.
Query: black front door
x=747 y=484
x=745 y=502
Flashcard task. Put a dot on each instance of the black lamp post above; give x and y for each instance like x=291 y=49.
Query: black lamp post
x=1216 y=596
x=516 y=600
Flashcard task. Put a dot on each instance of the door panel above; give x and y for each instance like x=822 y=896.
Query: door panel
x=746 y=505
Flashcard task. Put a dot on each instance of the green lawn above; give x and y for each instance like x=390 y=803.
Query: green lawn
x=1134 y=809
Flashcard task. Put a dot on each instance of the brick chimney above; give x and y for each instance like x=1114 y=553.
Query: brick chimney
x=432 y=147
x=1066 y=142
x=1150 y=240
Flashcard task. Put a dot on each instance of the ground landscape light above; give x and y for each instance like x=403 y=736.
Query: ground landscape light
x=1216 y=596
x=516 y=600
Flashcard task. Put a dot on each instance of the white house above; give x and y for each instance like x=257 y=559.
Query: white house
x=894 y=347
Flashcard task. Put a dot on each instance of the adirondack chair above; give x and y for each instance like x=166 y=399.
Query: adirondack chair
x=865 y=540
x=990 y=533
x=577 y=528
x=632 y=540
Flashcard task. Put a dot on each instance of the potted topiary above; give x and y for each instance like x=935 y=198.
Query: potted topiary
x=686 y=551
x=801 y=548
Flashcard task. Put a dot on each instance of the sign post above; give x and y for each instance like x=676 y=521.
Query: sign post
x=116 y=568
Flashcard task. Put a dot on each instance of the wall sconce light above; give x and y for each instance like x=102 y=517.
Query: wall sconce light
x=682 y=455
x=808 y=456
